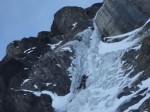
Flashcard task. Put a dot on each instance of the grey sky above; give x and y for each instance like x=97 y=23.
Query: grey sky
x=25 y=18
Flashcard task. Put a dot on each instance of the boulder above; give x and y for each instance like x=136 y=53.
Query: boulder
x=28 y=50
x=13 y=49
x=44 y=36
x=66 y=17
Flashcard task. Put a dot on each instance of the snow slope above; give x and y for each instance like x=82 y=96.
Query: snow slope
x=102 y=63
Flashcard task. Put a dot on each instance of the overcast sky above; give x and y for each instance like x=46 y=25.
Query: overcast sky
x=25 y=18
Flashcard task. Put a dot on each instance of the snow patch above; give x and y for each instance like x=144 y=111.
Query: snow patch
x=47 y=84
x=29 y=50
x=54 y=85
x=26 y=68
x=74 y=25
x=35 y=86
x=58 y=65
x=53 y=46
x=67 y=48
x=26 y=80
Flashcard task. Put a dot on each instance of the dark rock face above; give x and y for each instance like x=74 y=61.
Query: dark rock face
x=44 y=37
x=30 y=49
x=25 y=102
x=38 y=63
x=143 y=6
x=120 y=16
x=67 y=16
x=126 y=91
x=51 y=68
x=80 y=26
x=91 y=11
x=11 y=72
x=133 y=101
x=144 y=55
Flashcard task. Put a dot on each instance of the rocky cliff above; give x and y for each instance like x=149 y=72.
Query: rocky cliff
x=121 y=17
x=36 y=64
x=80 y=65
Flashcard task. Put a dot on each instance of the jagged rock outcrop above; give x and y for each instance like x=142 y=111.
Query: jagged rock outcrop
x=50 y=73
x=121 y=16
x=68 y=17
x=35 y=64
